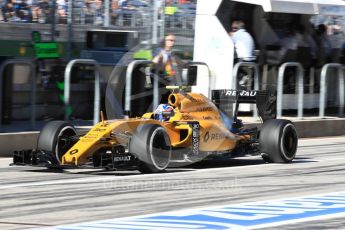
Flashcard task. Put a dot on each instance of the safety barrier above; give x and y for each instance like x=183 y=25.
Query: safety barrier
x=237 y=67
x=197 y=63
x=128 y=89
x=67 y=89
x=281 y=73
x=323 y=90
x=33 y=87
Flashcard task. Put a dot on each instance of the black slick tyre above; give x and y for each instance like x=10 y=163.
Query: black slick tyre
x=150 y=143
x=53 y=139
x=278 y=141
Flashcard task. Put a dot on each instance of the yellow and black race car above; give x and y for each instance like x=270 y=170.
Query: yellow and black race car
x=189 y=128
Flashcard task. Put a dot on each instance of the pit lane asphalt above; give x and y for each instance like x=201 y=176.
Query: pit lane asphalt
x=35 y=197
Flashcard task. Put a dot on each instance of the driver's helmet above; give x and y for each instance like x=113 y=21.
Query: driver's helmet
x=163 y=112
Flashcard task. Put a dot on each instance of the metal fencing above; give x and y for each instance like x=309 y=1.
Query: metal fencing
x=33 y=87
x=300 y=76
x=67 y=89
x=256 y=74
x=108 y=13
x=323 y=87
x=300 y=85
x=129 y=75
x=128 y=91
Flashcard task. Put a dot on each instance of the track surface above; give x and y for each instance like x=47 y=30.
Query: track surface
x=34 y=197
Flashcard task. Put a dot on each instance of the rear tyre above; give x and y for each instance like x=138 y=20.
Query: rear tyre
x=278 y=141
x=54 y=138
x=150 y=143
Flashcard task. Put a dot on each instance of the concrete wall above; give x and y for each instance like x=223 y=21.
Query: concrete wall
x=321 y=128
x=17 y=141
x=316 y=127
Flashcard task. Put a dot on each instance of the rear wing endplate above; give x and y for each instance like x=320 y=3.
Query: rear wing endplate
x=266 y=101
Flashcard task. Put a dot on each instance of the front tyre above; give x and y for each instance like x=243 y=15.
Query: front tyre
x=55 y=138
x=150 y=143
x=278 y=141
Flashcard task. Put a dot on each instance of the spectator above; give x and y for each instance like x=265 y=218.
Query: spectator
x=34 y=10
x=125 y=5
x=44 y=11
x=168 y=65
x=243 y=42
x=288 y=43
x=62 y=10
x=78 y=11
x=336 y=36
x=2 y=4
x=89 y=11
x=9 y=12
x=286 y=53
x=24 y=11
x=170 y=10
x=115 y=7
x=98 y=12
x=324 y=44
x=244 y=49
x=304 y=39
x=167 y=62
x=127 y=11
x=15 y=3
x=94 y=11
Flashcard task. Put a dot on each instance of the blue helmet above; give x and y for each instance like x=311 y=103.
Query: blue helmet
x=163 y=112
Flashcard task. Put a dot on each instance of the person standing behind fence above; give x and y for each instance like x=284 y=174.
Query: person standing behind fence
x=35 y=10
x=304 y=39
x=62 y=11
x=127 y=10
x=24 y=11
x=324 y=45
x=168 y=65
x=98 y=12
x=9 y=12
x=243 y=42
x=244 y=48
x=167 y=62
x=44 y=12
x=170 y=9
x=115 y=7
x=288 y=46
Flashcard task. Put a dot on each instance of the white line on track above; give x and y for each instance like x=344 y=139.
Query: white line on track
x=323 y=138
x=144 y=176
x=155 y=176
x=112 y=178
x=54 y=182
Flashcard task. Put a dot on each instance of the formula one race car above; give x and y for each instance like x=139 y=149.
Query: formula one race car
x=188 y=129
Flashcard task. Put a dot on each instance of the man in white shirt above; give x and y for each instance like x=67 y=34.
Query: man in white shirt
x=244 y=49
x=243 y=42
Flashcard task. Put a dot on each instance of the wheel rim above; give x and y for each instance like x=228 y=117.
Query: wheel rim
x=289 y=142
x=61 y=144
x=160 y=151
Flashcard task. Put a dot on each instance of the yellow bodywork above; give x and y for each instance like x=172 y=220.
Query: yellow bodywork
x=188 y=107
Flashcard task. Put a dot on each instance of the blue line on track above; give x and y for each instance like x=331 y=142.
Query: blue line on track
x=234 y=216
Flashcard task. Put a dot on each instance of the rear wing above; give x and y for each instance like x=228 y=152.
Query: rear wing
x=265 y=101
